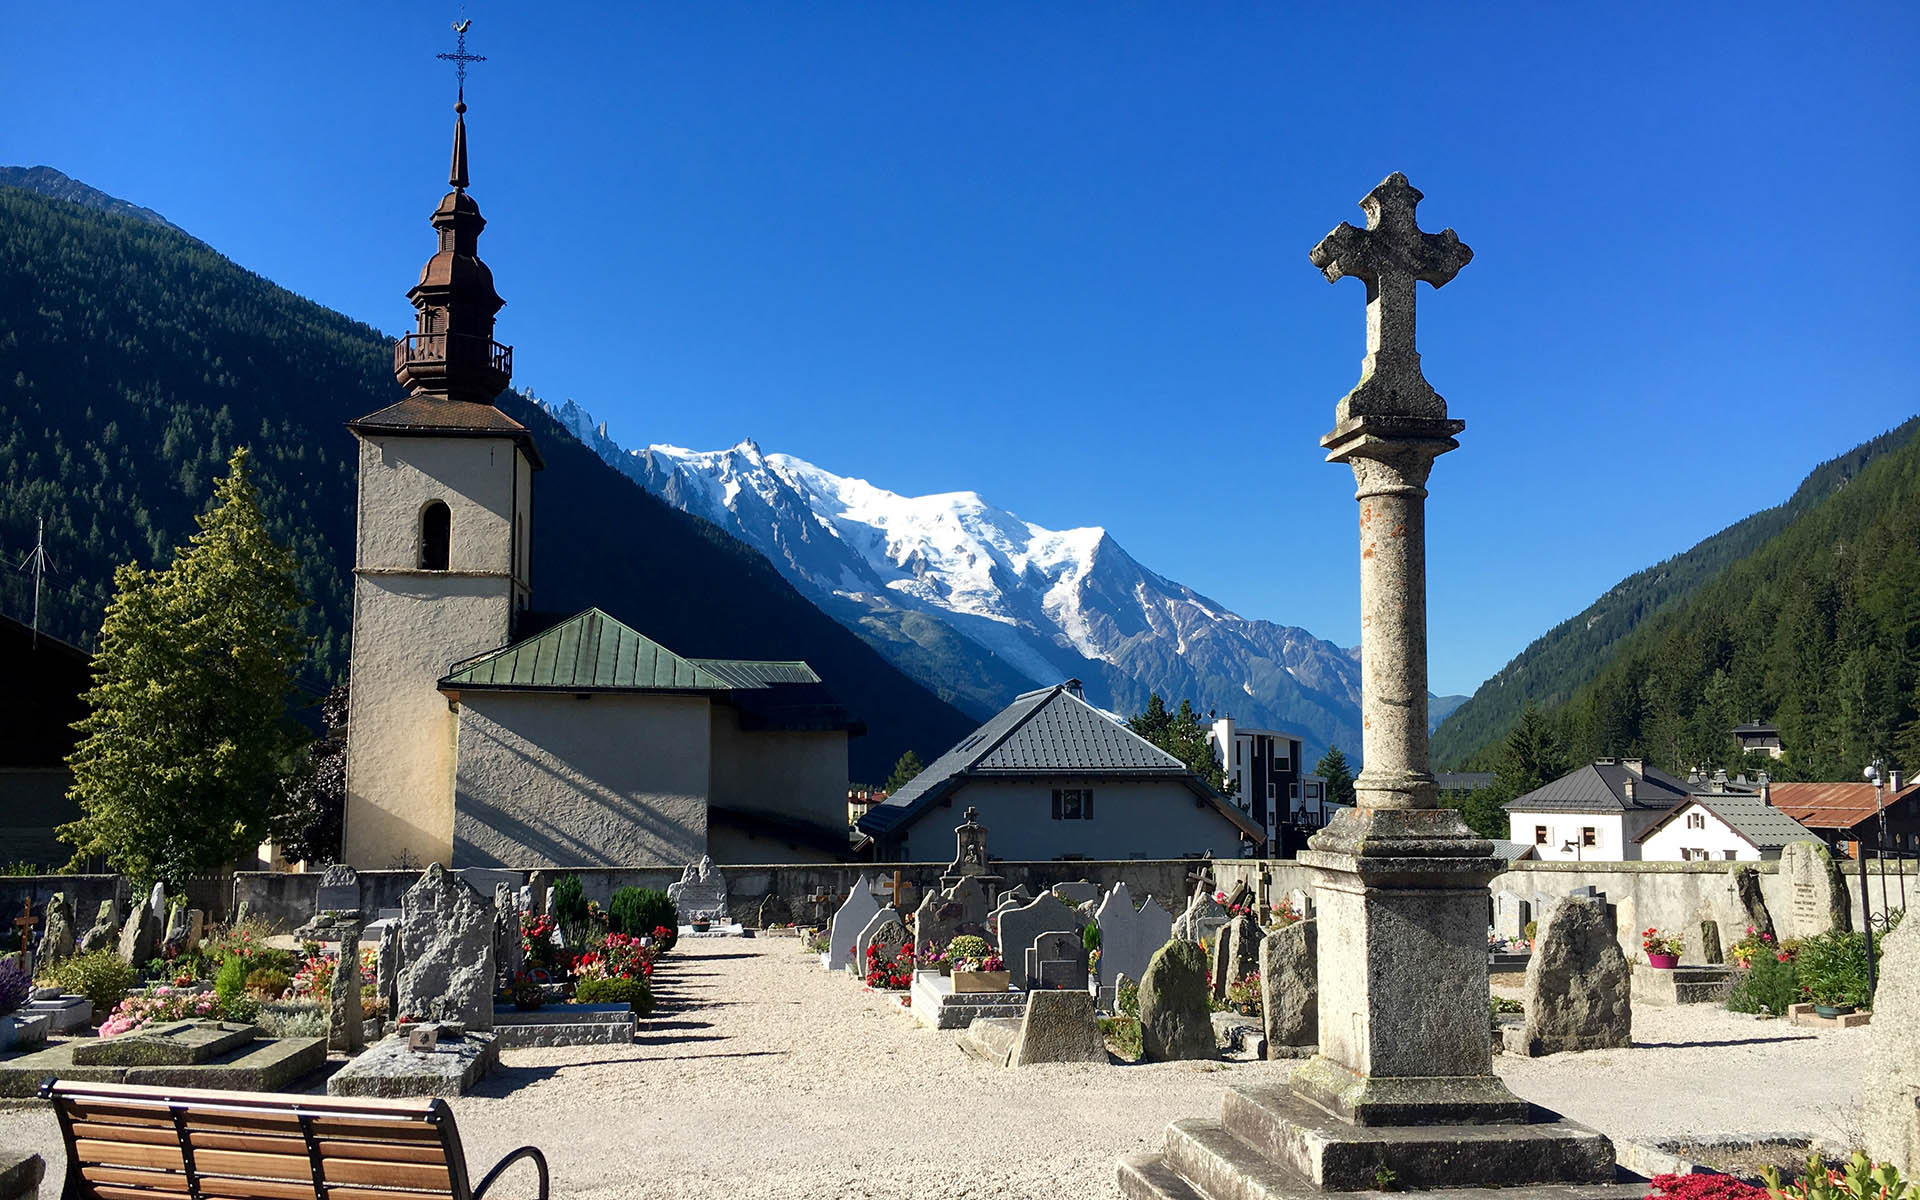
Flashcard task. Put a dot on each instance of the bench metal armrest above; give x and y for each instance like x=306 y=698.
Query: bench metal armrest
x=529 y=1152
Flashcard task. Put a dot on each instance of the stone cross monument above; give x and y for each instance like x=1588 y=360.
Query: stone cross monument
x=1402 y=883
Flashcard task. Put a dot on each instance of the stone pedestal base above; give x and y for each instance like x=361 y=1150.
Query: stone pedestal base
x=1425 y=1100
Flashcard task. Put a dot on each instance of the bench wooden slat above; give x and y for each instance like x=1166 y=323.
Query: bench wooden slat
x=268 y=1166
x=254 y=1189
x=119 y=1114
x=369 y=1193
x=151 y=1183
x=128 y=1154
x=381 y=1151
x=153 y=1135
x=106 y=1191
x=432 y=1177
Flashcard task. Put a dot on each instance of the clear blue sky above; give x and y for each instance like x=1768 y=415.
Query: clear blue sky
x=1056 y=253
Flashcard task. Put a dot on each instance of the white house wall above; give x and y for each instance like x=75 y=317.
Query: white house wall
x=1131 y=819
x=548 y=780
x=1614 y=834
x=1716 y=838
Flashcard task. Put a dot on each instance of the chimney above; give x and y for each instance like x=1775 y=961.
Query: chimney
x=1637 y=765
x=1766 y=790
x=1072 y=685
x=1894 y=781
x=1630 y=791
x=1720 y=779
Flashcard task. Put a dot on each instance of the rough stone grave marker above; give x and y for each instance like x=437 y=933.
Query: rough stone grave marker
x=1289 y=991
x=339 y=890
x=57 y=942
x=1892 y=1084
x=1579 y=985
x=345 y=1026
x=1174 y=1020
x=885 y=934
x=1202 y=919
x=447 y=965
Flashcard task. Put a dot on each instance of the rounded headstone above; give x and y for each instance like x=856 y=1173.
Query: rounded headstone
x=1174 y=1019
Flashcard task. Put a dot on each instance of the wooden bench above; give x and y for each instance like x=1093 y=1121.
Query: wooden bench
x=156 y=1143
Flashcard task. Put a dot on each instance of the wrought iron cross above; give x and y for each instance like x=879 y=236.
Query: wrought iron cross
x=460 y=58
x=1390 y=256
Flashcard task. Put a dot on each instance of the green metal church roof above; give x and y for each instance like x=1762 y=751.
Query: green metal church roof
x=593 y=652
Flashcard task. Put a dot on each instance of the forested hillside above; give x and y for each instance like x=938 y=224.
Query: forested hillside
x=1817 y=629
x=133 y=359
x=1574 y=653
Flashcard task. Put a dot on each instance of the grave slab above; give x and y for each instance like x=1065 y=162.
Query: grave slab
x=68 y=1013
x=24 y=1031
x=388 y=1068
x=564 y=1025
x=174 y=1044
x=937 y=1006
x=265 y=1065
x=1680 y=985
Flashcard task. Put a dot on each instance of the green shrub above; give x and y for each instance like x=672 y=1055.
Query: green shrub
x=1126 y=998
x=570 y=908
x=230 y=984
x=637 y=912
x=968 y=945
x=1767 y=986
x=1090 y=938
x=268 y=983
x=616 y=991
x=1501 y=1005
x=293 y=1020
x=1531 y=931
x=1832 y=969
x=100 y=976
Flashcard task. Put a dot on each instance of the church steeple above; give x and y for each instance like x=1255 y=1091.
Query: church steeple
x=451 y=354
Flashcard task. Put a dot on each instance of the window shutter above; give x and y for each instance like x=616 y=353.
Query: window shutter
x=1086 y=805
x=1056 y=804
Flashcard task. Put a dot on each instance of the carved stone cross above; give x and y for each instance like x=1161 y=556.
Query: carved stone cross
x=1390 y=256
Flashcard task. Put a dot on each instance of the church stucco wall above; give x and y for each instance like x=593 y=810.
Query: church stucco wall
x=799 y=775
x=550 y=780
x=410 y=625
x=1143 y=819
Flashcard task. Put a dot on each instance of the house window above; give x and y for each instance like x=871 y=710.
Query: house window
x=1586 y=836
x=1073 y=804
x=1727 y=854
x=1313 y=791
x=1273 y=789
x=1696 y=820
x=436 y=536
x=1539 y=835
x=1280 y=756
x=1236 y=752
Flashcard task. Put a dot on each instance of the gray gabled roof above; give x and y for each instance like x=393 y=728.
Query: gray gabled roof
x=1049 y=733
x=1602 y=788
x=1764 y=826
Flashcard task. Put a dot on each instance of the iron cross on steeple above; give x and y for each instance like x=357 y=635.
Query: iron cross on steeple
x=460 y=58
x=1391 y=255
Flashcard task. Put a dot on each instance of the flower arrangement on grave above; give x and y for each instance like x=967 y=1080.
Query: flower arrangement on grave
x=526 y=992
x=1243 y=995
x=1659 y=945
x=1284 y=913
x=930 y=959
x=893 y=973
x=1234 y=910
x=1860 y=1179
x=314 y=977
x=536 y=941
x=161 y=1004
x=1703 y=1186
x=1757 y=945
x=967 y=952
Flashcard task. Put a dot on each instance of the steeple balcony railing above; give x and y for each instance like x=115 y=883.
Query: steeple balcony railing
x=459 y=351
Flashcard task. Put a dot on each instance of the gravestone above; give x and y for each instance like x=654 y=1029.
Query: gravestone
x=1289 y=994
x=104 y=930
x=140 y=936
x=1242 y=938
x=386 y=965
x=1202 y=919
x=168 y=1044
x=1174 y=1020
x=1074 y=894
x=184 y=926
x=1510 y=916
x=1892 y=1084
x=538 y=884
x=970 y=858
x=848 y=921
x=345 y=1030
x=701 y=894
x=885 y=933
x=1057 y=960
x=339 y=890
x=775 y=911
x=1579 y=985
x=1744 y=884
x=446 y=958
x=1016 y=896
x=1239 y=895
x=57 y=942
x=1816 y=899
x=1058 y=1027
x=1021 y=927
x=508 y=953
x=1129 y=936
x=1217 y=965
x=1703 y=941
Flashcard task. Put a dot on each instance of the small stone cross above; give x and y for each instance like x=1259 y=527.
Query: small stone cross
x=973 y=815
x=1390 y=256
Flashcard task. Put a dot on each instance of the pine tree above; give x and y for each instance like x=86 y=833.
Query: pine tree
x=1182 y=734
x=1339 y=776
x=904 y=769
x=185 y=750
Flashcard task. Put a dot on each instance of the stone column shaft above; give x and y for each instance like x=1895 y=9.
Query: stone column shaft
x=1393 y=626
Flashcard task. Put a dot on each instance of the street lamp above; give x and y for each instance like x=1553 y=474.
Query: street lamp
x=1876 y=774
x=1570 y=844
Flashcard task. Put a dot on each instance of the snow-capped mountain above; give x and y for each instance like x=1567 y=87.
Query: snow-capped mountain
x=980 y=605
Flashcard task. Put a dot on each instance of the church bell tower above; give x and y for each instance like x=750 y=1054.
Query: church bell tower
x=441 y=555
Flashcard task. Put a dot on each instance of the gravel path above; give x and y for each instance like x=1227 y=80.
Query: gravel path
x=761 y=1076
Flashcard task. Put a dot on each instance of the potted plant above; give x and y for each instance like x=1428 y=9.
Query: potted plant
x=1662 y=949
x=975 y=967
x=1832 y=969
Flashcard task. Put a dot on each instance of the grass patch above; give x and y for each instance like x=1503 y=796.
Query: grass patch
x=1123 y=1037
